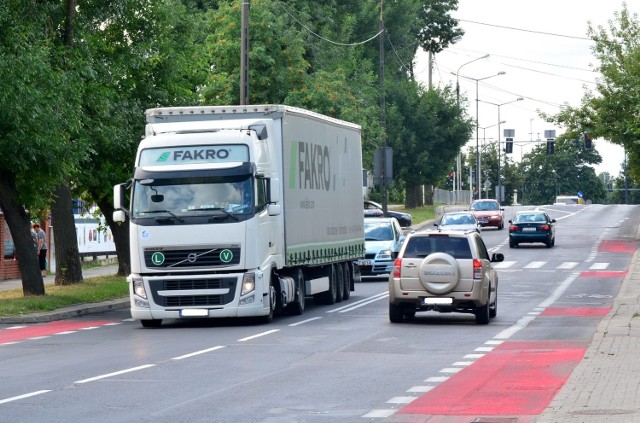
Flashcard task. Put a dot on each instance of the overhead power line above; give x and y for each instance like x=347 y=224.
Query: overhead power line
x=527 y=30
x=357 y=43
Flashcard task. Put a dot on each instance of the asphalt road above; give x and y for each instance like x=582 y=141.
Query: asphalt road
x=342 y=363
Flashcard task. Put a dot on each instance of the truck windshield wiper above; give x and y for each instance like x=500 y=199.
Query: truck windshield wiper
x=224 y=211
x=164 y=211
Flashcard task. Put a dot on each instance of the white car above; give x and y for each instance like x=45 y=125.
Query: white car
x=458 y=221
x=383 y=238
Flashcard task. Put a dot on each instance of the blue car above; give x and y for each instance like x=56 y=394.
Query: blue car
x=532 y=226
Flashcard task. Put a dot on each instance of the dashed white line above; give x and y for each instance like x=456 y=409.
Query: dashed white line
x=400 y=400
x=133 y=369
x=304 y=321
x=248 y=338
x=23 y=396
x=182 y=357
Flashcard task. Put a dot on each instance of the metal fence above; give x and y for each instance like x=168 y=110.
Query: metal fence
x=451 y=197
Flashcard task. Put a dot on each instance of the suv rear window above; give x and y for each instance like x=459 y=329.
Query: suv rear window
x=422 y=246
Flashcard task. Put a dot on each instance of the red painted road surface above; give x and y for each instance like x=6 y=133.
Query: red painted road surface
x=46 y=329
x=576 y=311
x=613 y=246
x=516 y=378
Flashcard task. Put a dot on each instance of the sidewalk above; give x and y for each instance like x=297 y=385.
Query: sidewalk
x=66 y=312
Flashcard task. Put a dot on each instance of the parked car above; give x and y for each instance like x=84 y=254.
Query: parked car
x=383 y=238
x=458 y=221
x=444 y=271
x=373 y=209
x=488 y=212
x=532 y=226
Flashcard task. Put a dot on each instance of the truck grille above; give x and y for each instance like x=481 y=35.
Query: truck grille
x=192 y=258
x=192 y=300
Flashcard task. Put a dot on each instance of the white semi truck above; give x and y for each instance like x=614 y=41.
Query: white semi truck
x=239 y=211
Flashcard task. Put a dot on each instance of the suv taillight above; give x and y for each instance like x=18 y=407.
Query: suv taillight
x=397 y=265
x=477 y=269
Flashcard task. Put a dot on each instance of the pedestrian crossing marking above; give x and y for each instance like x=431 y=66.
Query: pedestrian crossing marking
x=568 y=265
x=535 y=265
x=599 y=266
x=504 y=265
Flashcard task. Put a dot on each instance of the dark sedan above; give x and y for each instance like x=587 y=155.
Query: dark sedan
x=373 y=209
x=532 y=226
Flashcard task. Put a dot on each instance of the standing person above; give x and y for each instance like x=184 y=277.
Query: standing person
x=41 y=249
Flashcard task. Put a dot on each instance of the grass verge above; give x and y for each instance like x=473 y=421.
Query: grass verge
x=91 y=290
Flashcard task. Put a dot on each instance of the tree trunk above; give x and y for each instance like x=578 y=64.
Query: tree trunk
x=20 y=227
x=428 y=195
x=68 y=265
x=413 y=196
x=120 y=233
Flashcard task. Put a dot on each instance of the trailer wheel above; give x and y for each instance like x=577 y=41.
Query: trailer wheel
x=339 y=282
x=329 y=297
x=297 y=307
x=347 y=280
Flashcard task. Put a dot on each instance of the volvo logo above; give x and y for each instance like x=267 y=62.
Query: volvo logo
x=192 y=257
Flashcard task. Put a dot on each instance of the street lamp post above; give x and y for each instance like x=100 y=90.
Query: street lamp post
x=478 y=163
x=458 y=165
x=498 y=191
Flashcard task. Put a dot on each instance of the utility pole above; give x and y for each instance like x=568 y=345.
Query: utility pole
x=244 y=53
x=382 y=112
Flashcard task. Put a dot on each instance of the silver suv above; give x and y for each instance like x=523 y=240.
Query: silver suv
x=445 y=271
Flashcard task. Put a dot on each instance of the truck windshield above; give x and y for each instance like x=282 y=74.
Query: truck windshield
x=180 y=198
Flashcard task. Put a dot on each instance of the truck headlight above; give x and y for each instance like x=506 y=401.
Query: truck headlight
x=138 y=288
x=248 y=283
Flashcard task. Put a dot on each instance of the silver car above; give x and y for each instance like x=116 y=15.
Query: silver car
x=458 y=221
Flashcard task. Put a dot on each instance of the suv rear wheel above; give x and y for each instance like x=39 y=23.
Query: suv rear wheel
x=483 y=313
x=396 y=314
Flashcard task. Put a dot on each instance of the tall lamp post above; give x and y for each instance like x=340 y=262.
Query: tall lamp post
x=498 y=192
x=478 y=163
x=484 y=130
x=457 y=74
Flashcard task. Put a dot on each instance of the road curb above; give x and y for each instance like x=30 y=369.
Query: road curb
x=68 y=312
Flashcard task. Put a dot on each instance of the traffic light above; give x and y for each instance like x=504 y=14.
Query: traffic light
x=587 y=141
x=508 y=149
x=550 y=146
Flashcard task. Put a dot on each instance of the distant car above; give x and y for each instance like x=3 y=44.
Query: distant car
x=444 y=271
x=532 y=226
x=373 y=209
x=488 y=212
x=458 y=221
x=383 y=238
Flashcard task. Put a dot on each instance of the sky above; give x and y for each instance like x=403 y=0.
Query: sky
x=546 y=56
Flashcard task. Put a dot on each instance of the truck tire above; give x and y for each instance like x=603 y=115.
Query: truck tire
x=271 y=297
x=297 y=307
x=151 y=323
x=347 y=280
x=339 y=282
x=329 y=297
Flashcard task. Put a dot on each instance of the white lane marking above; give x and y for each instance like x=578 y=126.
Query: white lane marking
x=484 y=349
x=504 y=265
x=599 y=266
x=436 y=379
x=23 y=396
x=90 y=328
x=304 y=321
x=400 y=400
x=17 y=327
x=462 y=363
x=379 y=414
x=66 y=332
x=198 y=353
x=359 y=302
x=39 y=337
x=476 y=356
x=371 y=300
x=450 y=370
x=420 y=389
x=535 y=265
x=133 y=369
x=248 y=338
x=493 y=342
x=568 y=265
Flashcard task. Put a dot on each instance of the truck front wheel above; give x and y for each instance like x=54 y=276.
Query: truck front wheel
x=297 y=306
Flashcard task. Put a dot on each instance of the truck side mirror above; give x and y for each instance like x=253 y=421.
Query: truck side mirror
x=120 y=212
